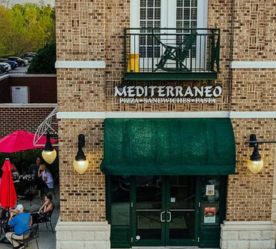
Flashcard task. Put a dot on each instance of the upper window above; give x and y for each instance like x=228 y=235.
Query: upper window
x=186 y=14
x=170 y=36
x=150 y=13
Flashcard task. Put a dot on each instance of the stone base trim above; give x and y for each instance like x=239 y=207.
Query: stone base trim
x=247 y=235
x=82 y=235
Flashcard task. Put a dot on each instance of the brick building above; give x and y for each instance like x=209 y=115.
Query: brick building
x=25 y=101
x=166 y=94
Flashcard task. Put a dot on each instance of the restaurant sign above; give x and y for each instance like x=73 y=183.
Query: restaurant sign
x=168 y=94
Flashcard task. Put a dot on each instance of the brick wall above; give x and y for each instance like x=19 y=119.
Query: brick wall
x=249 y=195
x=80 y=36
x=22 y=118
x=81 y=90
x=254 y=90
x=255 y=30
x=93 y=30
x=80 y=30
x=82 y=197
x=117 y=18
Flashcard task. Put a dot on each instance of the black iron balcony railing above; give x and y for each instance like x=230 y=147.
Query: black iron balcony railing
x=171 y=54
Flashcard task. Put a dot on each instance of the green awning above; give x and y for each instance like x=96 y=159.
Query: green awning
x=168 y=147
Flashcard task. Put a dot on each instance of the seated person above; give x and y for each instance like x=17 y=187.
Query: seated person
x=45 y=209
x=47 y=178
x=20 y=222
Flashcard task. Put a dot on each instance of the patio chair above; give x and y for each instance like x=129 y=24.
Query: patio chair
x=178 y=54
x=47 y=219
x=32 y=234
x=3 y=221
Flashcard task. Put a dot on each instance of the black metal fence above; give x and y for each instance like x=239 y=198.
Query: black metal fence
x=160 y=50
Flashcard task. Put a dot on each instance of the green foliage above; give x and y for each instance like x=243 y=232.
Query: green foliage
x=44 y=61
x=25 y=28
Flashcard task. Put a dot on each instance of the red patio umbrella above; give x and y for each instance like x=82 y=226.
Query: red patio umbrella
x=8 y=196
x=20 y=141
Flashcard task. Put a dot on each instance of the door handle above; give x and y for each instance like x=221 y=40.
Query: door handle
x=170 y=216
x=161 y=217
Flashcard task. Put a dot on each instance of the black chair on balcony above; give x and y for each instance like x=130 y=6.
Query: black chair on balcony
x=178 y=54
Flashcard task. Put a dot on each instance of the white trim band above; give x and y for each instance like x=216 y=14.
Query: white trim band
x=252 y=115
x=80 y=64
x=253 y=64
x=104 y=115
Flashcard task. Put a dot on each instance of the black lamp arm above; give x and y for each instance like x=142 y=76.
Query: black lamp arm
x=81 y=140
x=81 y=143
x=48 y=145
x=253 y=142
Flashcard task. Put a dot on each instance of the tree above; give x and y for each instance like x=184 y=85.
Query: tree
x=25 y=28
x=7 y=31
x=44 y=61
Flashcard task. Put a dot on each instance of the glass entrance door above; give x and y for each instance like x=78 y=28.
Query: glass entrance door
x=165 y=211
x=181 y=210
x=149 y=215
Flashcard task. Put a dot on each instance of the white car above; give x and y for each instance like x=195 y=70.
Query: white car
x=5 y=66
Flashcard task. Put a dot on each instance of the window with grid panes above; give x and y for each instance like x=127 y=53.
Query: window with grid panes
x=150 y=17
x=185 y=16
x=186 y=21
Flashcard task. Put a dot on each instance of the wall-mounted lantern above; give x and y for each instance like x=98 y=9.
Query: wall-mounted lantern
x=255 y=164
x=49 y=154
x=81 y=163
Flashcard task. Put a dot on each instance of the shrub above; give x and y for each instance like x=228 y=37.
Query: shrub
x=44 y=61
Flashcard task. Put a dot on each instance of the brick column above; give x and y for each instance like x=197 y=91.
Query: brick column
x=81 y=88
x=249 y=199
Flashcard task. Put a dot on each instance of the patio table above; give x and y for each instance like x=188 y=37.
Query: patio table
x=24 y=184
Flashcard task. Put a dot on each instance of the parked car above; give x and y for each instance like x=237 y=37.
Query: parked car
x=13 y=64
x=19 y=61
x=5 y=66
x=28 y=58
x=29 y=54
x=2 y=70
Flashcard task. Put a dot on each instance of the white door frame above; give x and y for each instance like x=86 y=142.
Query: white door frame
x=202 y=13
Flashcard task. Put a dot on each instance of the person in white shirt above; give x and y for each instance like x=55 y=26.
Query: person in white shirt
x=47 y=178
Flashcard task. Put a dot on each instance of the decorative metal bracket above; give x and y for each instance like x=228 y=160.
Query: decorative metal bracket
x=253 y=142
x=49 y=125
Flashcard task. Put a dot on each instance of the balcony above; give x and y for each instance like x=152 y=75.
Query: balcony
x=171 y=54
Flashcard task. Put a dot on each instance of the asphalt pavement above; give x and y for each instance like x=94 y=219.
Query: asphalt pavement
x=19 y=70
